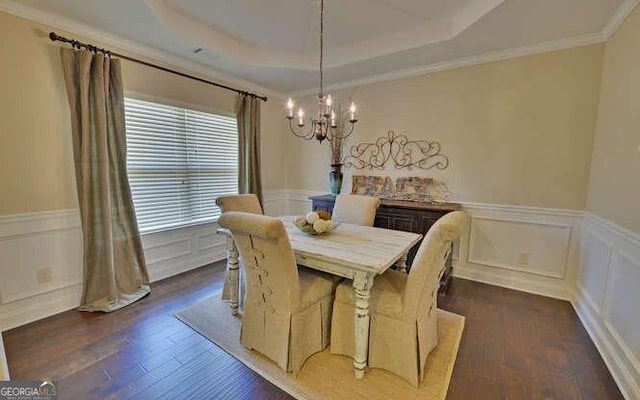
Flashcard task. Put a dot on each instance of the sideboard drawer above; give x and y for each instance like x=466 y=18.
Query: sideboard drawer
x=396 y=221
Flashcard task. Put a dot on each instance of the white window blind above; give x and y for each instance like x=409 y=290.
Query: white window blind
x=179 y=161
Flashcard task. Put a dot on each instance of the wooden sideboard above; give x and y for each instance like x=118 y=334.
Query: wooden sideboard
x=403 y=215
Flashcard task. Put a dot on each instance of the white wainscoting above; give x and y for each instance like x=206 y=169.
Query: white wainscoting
x=500 y=235
x=275 y=202
x=52 y=241
x=607 y=298
x=35 y=242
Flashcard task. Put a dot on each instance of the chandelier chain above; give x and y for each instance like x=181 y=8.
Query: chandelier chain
x=328 y=125
x=321 y=43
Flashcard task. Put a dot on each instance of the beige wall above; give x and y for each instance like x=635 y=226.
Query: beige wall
x=35 y=138
x=517 y=132
x=614 y=186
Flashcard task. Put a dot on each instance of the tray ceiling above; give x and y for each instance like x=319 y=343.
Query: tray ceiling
x=275 y=43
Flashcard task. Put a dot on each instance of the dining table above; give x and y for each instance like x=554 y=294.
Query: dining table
x=355 y=252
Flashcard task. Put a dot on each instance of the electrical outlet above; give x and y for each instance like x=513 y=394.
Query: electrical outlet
x=44 y=275
x=523 y=258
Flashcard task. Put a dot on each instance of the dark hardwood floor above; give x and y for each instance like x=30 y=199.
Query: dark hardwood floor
x=522 y=346
x=515 y=346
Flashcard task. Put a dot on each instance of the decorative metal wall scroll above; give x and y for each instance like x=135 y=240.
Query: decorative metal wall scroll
x=404 y=153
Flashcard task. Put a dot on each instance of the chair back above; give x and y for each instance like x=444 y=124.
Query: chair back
x=270 y=265
x=241 y=202
x=355 y=209
x=422 y=284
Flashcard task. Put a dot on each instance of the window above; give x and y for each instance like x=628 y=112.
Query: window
x=179 y=161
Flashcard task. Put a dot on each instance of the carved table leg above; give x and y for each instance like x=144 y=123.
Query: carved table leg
x=233 y=268
x=401 y=264
x=362 y=285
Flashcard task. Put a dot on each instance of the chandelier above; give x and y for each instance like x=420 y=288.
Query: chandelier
x=328 y=124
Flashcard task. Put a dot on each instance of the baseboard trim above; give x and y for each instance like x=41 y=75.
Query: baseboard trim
x=44 y=305
x=25 y=311
x=620 y=367
x=498 y=278
x=158 y=272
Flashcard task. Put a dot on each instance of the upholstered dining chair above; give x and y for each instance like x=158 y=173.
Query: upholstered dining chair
x=239 y=202
x=355 y=209
x=287 y=311
x=403 y=327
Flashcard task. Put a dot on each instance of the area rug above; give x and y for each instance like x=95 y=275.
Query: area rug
x=327 y=376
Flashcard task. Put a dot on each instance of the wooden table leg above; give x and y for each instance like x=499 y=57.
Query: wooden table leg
x=401 y=264
x=233 y=268
x=362 y=283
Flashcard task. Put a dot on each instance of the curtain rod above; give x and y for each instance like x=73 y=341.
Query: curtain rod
x=77 y=44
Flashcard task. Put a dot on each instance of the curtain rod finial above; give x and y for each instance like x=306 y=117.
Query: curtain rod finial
x=52 y=36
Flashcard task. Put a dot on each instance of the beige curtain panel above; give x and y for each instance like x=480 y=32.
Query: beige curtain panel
x=248 y=118
x=115 y=273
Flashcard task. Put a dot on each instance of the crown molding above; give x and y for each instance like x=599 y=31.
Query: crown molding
x=130 y=46
x=625 y=9
x=66 y=24
x=562 y=44
x=621 y=14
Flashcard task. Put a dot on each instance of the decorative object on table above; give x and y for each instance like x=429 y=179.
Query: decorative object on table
x=315 y=223
x=403 y=153
x=325 y=124
x=412 y=188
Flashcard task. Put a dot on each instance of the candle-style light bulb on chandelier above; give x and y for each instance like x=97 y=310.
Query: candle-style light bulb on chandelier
x=327 y=124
